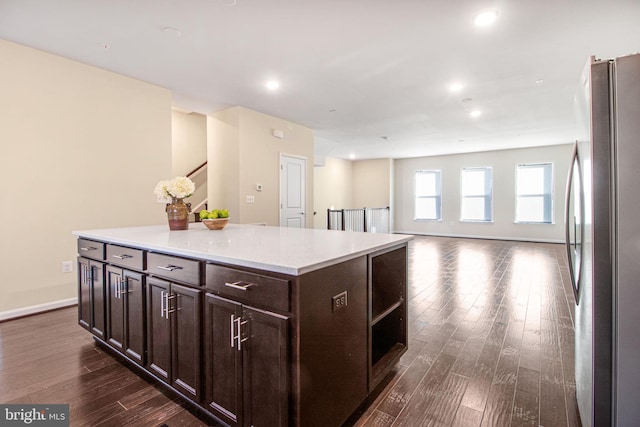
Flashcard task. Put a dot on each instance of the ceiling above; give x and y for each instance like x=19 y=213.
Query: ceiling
x=370 y=77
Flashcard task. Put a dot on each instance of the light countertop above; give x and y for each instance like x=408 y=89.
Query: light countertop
x=293 y=251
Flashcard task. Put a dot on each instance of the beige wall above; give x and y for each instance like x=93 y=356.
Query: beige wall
x=223 y=156
x=372 y=183
x=82 y=148
x=189 y=149
x=246 y=153
x=188 y=141
x=504 y=169
x=333 y=188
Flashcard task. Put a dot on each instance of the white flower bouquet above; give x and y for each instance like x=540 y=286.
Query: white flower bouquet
x=179 y=187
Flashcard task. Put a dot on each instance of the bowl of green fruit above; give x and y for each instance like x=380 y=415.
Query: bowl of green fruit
x=215 y=219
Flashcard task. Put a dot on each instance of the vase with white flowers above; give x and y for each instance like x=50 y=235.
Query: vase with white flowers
x=174 y=191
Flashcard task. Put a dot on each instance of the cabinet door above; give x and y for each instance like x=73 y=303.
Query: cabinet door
x=98 y=324
x=115 y=308
x=84 y=294
x=184 y=311
x=135 y=326
x=265 y=368
x=158 y=329
x=223 y=361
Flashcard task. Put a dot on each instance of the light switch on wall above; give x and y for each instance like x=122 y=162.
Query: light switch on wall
x=250 y=199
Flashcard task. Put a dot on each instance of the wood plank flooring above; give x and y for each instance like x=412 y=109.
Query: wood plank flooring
x=491 y=344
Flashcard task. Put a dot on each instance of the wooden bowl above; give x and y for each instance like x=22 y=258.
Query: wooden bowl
x=215 y=223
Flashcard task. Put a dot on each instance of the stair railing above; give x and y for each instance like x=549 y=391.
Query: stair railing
x=372 y=220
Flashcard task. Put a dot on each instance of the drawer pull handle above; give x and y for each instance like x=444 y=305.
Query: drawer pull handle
x=168 y=310
x=161 y=303
x=243 y=286
x=123 y=256
x=90 y=248
x=170 y=267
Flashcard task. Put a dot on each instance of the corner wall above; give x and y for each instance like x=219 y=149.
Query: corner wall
x=189 y=150
x=84 y=148
x=244 y=139
x=333 y=188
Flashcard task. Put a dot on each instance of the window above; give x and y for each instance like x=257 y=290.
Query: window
x=534 y=183
x=428 y=199
x=476 y=194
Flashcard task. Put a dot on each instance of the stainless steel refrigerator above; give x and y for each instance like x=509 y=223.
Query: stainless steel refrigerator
x=603 y=242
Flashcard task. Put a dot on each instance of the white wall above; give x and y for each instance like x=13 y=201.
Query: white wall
x=504 y=168
x=83 y=148
x=333 y=188
x=243 y=140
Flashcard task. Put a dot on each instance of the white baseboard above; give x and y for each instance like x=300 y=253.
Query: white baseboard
x=463 y=236
x=25 y=311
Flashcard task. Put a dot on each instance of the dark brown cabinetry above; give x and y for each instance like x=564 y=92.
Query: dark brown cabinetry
x=246 y=363
x=250 y=347
x=126 y=329
x=173 y=334
x=332 y=342
x=91 y=290
x=387 y=311
x=125 y=297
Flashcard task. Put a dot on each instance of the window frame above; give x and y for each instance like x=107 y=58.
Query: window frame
x=437 y=197
x=547 y=197
x=487 y=196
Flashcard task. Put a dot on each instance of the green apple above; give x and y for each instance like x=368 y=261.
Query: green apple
x=223 y=213
x=204 y=214
x=213 y=214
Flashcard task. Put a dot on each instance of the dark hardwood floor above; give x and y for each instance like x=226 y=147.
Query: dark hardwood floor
x=491 y=344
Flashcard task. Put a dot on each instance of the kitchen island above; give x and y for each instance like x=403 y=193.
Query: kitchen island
x=260 y=326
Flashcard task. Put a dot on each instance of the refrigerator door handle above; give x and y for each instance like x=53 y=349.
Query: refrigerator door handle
x=574 y=248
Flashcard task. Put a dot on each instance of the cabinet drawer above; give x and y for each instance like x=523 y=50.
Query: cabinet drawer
x=91 y=249
x=248 y=288
x=125 y=257
x=174 y=268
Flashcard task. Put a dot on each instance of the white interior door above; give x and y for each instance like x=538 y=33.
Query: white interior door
x=293 y=172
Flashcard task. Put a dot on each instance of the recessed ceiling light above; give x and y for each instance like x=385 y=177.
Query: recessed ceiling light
x=272 y=85
x=352 y=156
x=539 y=82
x=455 y=87
x=172 y=31
x=475 y=113
x=486 y=18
